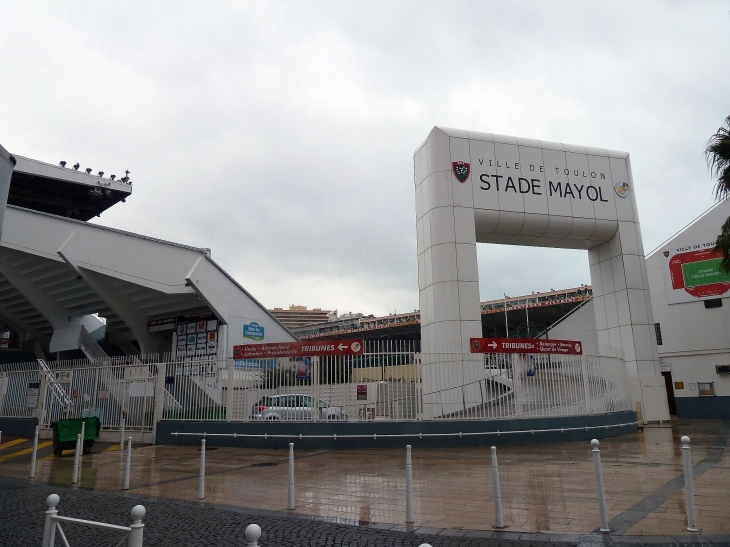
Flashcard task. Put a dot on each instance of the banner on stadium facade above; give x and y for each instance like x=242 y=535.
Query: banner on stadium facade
x=692 y=272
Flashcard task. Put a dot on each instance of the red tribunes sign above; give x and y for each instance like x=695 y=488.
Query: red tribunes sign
x=298 y=349
x=525 y=345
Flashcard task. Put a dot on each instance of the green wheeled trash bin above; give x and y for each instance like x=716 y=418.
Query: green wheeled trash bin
x=65 y=431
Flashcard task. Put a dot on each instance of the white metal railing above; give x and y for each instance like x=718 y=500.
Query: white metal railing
x=133 y=533
x=107 y=389
x=57 y=392
x=111 y=389
x=390 y=381
x=90 y=347
x=419 y=435
x=14 y=390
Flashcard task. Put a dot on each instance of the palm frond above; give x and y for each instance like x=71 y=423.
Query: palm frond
x=717 y=154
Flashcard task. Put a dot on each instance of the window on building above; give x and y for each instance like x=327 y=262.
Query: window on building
x=658 y=331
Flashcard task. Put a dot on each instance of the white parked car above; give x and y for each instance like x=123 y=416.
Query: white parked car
x=294 y=407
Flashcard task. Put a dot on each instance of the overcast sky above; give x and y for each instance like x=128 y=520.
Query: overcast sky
x=281 y=134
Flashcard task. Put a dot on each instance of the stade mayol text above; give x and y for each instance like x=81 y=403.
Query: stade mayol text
x=525 y=186
x=535 y=186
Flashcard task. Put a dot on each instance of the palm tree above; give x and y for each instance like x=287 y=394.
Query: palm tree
x=717 y=153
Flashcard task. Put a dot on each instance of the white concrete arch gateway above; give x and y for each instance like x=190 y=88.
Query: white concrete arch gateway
x=480 y=187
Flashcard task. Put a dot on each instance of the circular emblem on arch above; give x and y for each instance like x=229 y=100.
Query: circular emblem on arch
x=621 y=189
x=461 y=170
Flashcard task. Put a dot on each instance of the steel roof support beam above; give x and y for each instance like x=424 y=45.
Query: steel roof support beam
x=102 y=285
x=7 y=163
x=55 y=314
x=24 y=330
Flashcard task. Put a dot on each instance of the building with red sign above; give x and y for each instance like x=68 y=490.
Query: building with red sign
x=691 y=305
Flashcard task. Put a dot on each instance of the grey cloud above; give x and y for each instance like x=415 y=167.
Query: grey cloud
x=281 y=134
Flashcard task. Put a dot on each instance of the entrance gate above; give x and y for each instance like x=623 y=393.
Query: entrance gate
x=479 y=187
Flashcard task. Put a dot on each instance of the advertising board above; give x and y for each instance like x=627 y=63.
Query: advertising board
x=692 y=272
x=197 y=336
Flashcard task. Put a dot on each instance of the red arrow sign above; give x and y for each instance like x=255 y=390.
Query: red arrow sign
x=525 y=345
x=298 y=349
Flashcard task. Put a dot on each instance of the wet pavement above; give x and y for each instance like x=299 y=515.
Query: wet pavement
x=548 y=490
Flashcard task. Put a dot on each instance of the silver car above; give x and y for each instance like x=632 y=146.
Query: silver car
x=295 y=407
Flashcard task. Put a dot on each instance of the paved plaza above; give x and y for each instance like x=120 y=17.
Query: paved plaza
x=548 y=491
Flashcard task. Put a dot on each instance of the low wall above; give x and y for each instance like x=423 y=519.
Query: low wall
x=714 y=408
x=21 y=427
x=375 y=429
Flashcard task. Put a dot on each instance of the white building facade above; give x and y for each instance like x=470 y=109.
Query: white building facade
x=691 y=305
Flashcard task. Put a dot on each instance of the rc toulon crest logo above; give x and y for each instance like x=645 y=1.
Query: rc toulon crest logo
x=476 y=344
x=461 y=170
x=666 y=254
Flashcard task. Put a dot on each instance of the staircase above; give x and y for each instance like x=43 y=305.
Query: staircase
x=59 y=394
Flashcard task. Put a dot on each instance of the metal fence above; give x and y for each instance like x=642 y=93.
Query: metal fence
x=389 y=381
x=493 y=386
x=111 y=389
x=15 y=385
x=384 y=382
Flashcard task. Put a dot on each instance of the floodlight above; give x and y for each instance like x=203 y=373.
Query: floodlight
x=62 y=164
x=88 y=170
x=77 y=165
x=112 y=177
x=100 y=174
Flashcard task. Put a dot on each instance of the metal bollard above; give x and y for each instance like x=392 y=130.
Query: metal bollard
x=121 y=435
x=75 y=474
x=49 y=528
x=83 y=435
x=599 y=484
x=201 y=480
x=252 y=534
x=290 y=505
x=128 y=464
x=498 y=517
x=689 y=489
x=34 y=455
x=137 y=528
x=409 y=486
